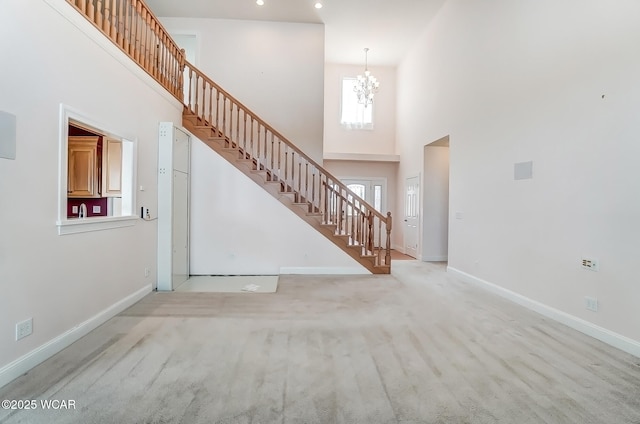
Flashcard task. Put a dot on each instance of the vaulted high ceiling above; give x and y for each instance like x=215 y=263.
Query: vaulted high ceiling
x=386 y=27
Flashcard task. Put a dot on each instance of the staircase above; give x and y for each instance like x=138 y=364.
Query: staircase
x=246 y=141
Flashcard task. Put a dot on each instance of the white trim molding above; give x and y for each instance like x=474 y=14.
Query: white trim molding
x=26 y=362
x=609 y=337
x=300 y=270
x=367 y=157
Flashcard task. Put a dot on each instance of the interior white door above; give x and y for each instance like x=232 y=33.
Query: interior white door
x=180 y=209
x=180 y=229
x=411 y=216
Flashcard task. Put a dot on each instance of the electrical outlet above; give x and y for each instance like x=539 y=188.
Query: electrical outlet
x=591 y=303
x=24 y=328
x=590 y=264
x=146 y=272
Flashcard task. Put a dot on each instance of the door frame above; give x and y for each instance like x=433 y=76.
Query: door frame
x=418 y=211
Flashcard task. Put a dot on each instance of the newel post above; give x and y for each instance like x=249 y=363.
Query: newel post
x=387 y=256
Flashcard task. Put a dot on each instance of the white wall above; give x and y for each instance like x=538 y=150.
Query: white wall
x=237 y=228
x=273 y=68
x=380 y=140
x=64 y=281
x=551 y=82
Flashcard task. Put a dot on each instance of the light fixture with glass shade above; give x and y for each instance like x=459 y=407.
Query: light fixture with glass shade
x=366 y=85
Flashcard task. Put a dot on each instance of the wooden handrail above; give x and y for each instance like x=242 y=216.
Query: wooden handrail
x=133 y=27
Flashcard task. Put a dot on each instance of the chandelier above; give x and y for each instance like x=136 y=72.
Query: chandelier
x=366 y=85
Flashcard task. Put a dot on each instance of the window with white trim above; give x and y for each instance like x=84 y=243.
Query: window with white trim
x=354 y=115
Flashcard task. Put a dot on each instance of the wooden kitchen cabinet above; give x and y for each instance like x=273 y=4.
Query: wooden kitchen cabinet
x=111 y=168
x=83 y=167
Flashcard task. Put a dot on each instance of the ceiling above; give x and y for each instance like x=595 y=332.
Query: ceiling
x=386 y=27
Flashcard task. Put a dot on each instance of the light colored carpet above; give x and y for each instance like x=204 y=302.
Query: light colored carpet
x=415 y=347
x=230 y=284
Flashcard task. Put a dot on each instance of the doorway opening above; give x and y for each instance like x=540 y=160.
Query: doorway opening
x=435 y=201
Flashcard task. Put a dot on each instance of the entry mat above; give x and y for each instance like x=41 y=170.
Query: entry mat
x=230 y=284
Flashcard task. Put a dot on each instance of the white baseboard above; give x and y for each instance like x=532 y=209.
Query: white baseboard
x=324 y=270
x=435 y=258
x=609 y=337
x=23 y=364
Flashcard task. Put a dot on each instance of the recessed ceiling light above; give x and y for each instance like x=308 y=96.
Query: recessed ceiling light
x=259 y=2
x=318 y=5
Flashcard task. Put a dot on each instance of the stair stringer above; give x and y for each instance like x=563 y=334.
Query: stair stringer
x=344 y=261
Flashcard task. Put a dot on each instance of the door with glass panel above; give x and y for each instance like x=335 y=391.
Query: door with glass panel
x=373 y=191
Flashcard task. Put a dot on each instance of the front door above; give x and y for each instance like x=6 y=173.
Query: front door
x=411 y=216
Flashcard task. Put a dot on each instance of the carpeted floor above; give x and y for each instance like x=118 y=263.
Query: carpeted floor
x=230 y=284
x=414 y=347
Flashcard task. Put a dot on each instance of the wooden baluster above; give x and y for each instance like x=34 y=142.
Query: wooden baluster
x=224 y=115
x=178 y=72
x=82 y=5
x=195 y=93
x=91 y=11
x=370 y=236
x=313 y=187
x=299 y=177
x=339 y=212
x=128 y=24
x=120 y=28
x=264 y=157
x=106 y=23
x=142 y=35
x=138 y=32
x=218 y=110
x=244 y=135
x=258 y=132
x=251 y=140
x=306 y=181
x=151 y=45
x=379 y=245
x=387 y=256
x=325 y=192
x=279 y=158
x=286 y=156
x=237 y=141
x=353 y=222
x=272 y=143
x=210 y=115
x=190 y=100
x=98 y=14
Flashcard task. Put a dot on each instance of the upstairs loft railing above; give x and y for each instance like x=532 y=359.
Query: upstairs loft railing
x=132 y=26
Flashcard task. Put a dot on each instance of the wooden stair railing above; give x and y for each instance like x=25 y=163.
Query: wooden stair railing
x=132 y=26
x=243 y=138
x=218 y=116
